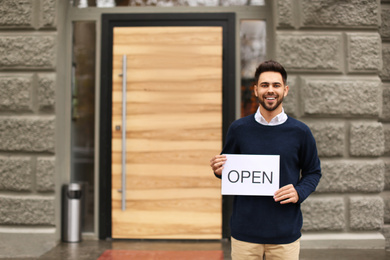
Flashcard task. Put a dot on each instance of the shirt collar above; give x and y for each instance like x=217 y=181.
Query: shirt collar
x=277 y=120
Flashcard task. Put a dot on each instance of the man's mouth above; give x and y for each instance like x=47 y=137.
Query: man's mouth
x=270 y=98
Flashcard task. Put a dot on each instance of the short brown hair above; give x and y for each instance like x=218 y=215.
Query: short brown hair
x=271 y=65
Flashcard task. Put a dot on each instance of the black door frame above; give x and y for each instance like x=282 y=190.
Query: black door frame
x=225 y=20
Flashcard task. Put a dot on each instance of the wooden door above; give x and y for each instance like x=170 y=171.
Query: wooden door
x=173 y=127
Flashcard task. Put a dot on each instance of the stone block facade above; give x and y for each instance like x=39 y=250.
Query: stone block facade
x=324 y=214
x=351 y=176
x=384 y=74
x=26 y=210
x=15 y=173
x=355 y=13
x=366 y=213
x=329 y=96
x=28 y=51
x=28 y=38
x=16 y=93
x=338 y=53
x=314 y=52
x=364 y=52
x=27 y=134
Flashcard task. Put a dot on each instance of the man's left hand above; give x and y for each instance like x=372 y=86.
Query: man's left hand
x=286 y=194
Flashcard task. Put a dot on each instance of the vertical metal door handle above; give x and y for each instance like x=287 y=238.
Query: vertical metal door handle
x=124 y=81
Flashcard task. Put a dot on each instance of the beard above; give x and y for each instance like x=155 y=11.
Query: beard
x=263 y=103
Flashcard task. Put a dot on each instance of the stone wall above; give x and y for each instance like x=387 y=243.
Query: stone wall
x=27 y=126
x=385 y=117
x=333 y=50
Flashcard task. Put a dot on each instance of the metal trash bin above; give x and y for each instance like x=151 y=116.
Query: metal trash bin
x=72 y=197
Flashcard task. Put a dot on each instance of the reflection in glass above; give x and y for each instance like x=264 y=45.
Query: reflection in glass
x=162 y=3
x=253 y=52
x=83 y=114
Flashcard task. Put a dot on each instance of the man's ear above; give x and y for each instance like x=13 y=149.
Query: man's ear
x=286 y=88
x=255 y=90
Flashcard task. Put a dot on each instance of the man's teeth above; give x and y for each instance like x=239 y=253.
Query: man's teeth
x=270 y=98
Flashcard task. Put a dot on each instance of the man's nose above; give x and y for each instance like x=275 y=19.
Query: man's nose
x=270 y=89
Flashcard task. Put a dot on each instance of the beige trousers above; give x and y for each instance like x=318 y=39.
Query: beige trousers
x=251 y=251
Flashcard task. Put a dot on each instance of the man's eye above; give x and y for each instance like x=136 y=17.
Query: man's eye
x=277 y=86
x=264 y=85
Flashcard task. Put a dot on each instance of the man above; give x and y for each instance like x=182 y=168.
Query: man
x=264 y=225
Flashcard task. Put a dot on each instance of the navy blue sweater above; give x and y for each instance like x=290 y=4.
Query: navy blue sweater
x=259 y=219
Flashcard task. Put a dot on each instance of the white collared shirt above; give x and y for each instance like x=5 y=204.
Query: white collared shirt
x=277 y=120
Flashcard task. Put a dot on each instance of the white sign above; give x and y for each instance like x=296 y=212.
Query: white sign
x=250 y=175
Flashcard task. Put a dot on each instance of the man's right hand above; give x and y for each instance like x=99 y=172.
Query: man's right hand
x=217 y=163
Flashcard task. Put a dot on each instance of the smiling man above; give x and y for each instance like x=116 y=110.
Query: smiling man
x=265 y=225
